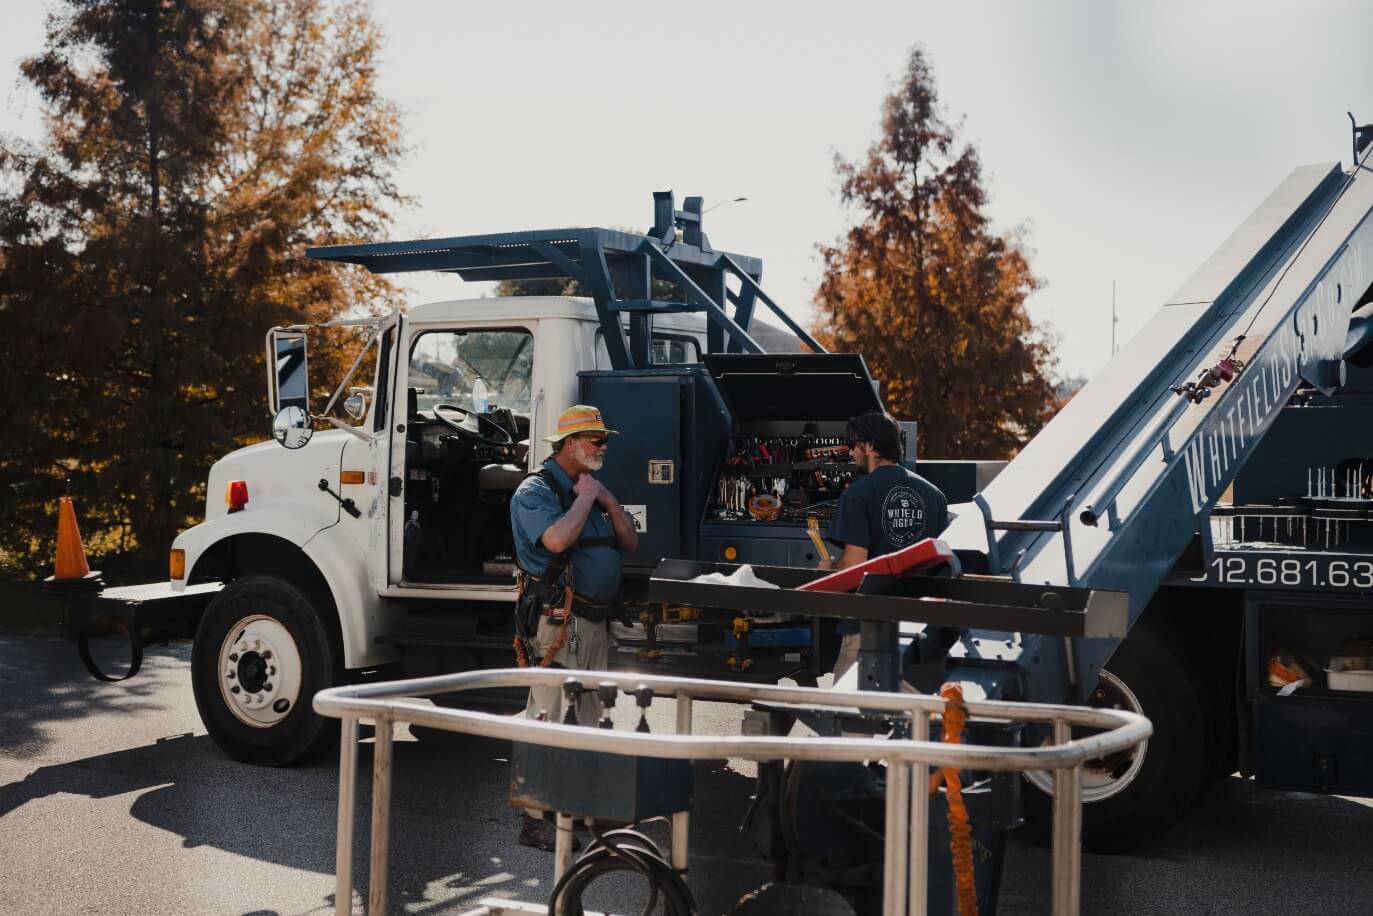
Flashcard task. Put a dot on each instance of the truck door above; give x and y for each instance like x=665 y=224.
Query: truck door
x=386 y=566
x=464 y=402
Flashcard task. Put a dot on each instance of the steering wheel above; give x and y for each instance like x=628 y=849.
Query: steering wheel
x=499 y=437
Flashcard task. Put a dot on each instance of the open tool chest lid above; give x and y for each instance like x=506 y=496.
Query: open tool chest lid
x=770 y=387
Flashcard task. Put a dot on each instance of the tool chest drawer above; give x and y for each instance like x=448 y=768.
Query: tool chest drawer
x=1315 y=743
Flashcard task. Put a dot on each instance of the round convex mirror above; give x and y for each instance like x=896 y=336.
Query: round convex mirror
x=292 y=427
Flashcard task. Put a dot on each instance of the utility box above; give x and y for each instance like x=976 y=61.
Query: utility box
x=604 y=786
x=672 y=424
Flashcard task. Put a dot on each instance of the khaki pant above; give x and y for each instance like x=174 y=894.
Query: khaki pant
x=593 y=653
x=848 y=658
x=848 y=654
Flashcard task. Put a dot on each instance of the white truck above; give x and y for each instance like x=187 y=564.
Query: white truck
x=382 y=541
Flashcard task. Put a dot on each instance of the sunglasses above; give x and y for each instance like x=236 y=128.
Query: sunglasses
x=596 y=441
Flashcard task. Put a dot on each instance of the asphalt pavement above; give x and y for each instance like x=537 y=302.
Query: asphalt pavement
x=113 y=800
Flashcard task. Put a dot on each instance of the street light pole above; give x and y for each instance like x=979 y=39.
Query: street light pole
x=736 y=200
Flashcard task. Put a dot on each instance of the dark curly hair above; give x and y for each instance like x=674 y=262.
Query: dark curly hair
x=880 y=429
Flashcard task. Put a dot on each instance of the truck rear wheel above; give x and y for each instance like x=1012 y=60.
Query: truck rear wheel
x=1133 y=796
x=261 y=653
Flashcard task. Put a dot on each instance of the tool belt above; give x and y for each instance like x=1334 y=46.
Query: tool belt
x=554 y=605
x=542 y=596
x=582 y=607
x=546 y=597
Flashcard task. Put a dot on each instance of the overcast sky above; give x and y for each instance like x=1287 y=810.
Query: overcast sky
x=1129 y=139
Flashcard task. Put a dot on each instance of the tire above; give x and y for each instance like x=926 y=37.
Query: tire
x=1222 y=692
x=261 y=653
x=1132 y=798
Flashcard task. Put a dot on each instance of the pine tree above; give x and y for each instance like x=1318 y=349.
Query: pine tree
x=928 y=293
x=193 y=150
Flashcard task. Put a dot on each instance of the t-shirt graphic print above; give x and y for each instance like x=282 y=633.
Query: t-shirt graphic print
x=902 y=516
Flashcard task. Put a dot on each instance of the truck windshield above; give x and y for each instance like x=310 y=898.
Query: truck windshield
x=444 y=367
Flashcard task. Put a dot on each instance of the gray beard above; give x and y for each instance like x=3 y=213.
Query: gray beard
x=594 y=464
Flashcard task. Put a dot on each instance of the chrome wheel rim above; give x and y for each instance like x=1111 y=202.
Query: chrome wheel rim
x=260 y=671
x=1103 y=777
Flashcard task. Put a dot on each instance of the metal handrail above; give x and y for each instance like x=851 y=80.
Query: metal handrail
x=992 y=525
x=908 y=760
x=1105 y=503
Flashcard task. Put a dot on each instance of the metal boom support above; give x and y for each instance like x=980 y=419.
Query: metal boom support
x=616 y=268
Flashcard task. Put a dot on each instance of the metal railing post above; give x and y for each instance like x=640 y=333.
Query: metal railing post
x=896 y=853
x=381 y=817
x=347 y=801
x=562 y=849
x=681 y=821
x=918 y=869
x=1067 y=831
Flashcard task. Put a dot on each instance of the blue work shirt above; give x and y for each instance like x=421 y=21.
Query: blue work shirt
x=595 y=569
x=891 y=508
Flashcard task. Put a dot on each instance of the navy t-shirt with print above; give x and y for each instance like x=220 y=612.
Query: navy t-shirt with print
x=891 y=508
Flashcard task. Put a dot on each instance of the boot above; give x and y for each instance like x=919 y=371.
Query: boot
x=539 y=833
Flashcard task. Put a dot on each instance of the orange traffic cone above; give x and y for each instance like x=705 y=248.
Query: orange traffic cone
x=71 y=556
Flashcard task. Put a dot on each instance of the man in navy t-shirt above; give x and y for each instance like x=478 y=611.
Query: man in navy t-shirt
x=886 y=509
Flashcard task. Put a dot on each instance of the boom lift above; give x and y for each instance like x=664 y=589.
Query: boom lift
x=1118 y=491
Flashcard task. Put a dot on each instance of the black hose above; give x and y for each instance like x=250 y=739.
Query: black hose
x=623 y=850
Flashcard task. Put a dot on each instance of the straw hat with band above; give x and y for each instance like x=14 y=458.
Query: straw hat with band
x=579 y=418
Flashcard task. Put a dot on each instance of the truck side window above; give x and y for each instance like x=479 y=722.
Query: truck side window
x=445 y=365
x=666 y=350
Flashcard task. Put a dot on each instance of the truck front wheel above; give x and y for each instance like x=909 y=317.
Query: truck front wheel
x=261 y=653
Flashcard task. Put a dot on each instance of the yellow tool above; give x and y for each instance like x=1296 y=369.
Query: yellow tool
x=678 y=613
x=813 y=529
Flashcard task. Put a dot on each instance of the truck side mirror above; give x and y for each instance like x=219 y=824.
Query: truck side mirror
x=355 y=405
x=289 y=375
x=292 y=427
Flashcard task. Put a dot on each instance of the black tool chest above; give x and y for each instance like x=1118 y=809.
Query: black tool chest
x=787 y=457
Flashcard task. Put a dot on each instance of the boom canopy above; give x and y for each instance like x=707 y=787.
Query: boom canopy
x=617 y=267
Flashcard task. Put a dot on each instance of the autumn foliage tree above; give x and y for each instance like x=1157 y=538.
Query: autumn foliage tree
x=928 y=292
x=193 y=149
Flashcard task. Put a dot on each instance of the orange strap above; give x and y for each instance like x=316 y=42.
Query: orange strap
x=960 y=832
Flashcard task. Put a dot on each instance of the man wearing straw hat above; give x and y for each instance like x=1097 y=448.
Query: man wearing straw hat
x=569 y=532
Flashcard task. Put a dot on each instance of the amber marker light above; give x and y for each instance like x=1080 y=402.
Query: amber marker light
x=730 y=553
x=352 y=477
x=176 y=565
x=236 y=495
